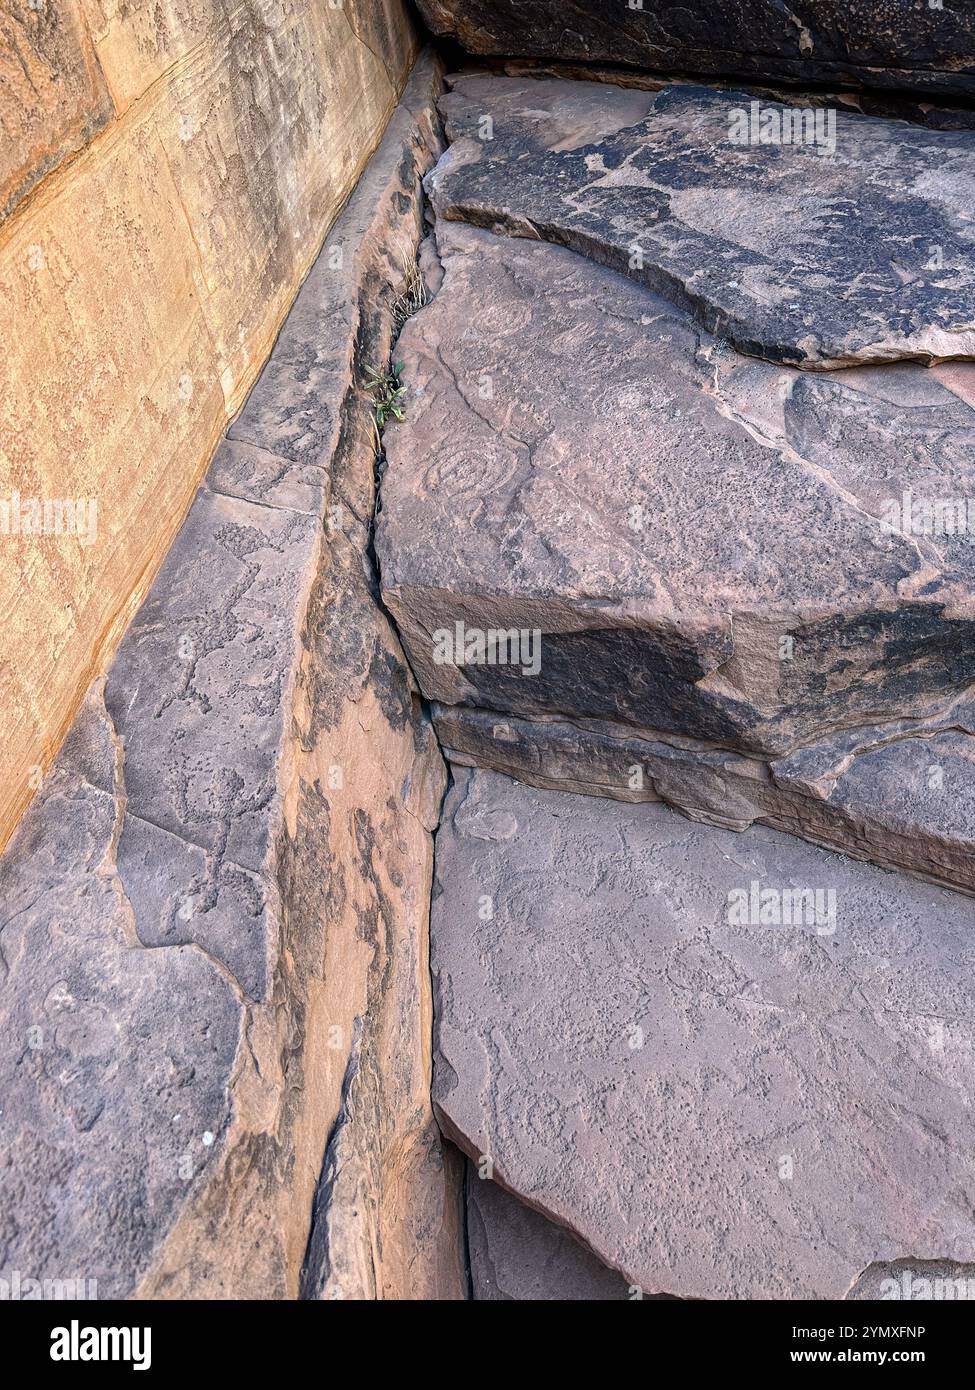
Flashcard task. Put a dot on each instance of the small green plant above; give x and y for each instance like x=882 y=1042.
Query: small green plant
x=387 y=392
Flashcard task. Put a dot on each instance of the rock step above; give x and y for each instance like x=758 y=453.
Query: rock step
x=715 y=562
x=899 y=45
x=898 y=795
x=699 y=538
x=816 y=237
x=735 y=1066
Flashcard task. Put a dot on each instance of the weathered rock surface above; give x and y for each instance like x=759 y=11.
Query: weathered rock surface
x=852 y=245
x=923 y=110
x=719 y=1106
x=729 y=565
x=538 y=114
x=169 y=172
x=516 y=1254
x=118 y=1056
x=899 y=795
x=697 y=538
x=898 y=44
x=53 y=97
x=214 y=915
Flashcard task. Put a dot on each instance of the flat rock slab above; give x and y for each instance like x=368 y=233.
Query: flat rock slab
x=719 y=1106
x=700 y=540
x=898 y=795
x=116 y=1057
x=899 y=44
x=538 y=114
x=516 y=1254
x=853 y=243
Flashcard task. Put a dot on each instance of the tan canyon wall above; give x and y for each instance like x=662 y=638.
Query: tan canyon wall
x=168 y=172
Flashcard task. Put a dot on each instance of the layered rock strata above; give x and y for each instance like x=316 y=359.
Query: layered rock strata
x=900 y=795
x=897 y=45
x=627 y=558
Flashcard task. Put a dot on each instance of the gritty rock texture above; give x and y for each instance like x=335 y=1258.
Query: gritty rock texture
x=196 y=851
x=117 y=1057
x=536 y=114
x=167 y=175
x=937 y=113
x=699 y=539
x=897 y=44
x=718 y=1105
x=666 y=488
x=852 y=245
x=214 y=917
x=516 y=1254
x=900 y=795
x=53 y=97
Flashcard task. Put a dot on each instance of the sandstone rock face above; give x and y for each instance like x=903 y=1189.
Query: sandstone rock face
x=740 y=584
x=851 y=244
x=214 y=915
x=118 y=1058
x=698 y=540
x=898 y=44
x=539 y=114
x=169 y=174
x=936 y=114
x=53 y=97
x=725 y=1087
x=517 y=1255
